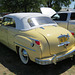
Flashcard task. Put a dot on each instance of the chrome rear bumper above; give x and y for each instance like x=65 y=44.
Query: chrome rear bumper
x=55 y=58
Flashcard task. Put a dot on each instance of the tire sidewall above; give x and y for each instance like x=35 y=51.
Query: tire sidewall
x=21 y=56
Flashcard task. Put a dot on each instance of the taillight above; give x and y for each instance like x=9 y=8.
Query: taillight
x=72 y=33
x=37 y=42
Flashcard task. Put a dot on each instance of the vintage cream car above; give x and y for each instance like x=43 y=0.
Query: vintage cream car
x=36 y=37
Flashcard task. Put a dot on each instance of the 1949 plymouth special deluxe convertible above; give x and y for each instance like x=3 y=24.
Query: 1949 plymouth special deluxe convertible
x=36 y=37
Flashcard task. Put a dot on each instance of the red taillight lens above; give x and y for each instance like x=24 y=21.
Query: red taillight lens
x=72 y=33
x=37 y=42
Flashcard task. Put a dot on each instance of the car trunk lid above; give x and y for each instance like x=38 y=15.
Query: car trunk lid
x=58 y=39
x=47 y=11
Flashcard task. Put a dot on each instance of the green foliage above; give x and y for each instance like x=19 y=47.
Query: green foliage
x=57 y=4
x=22 y=5
x=31 y=5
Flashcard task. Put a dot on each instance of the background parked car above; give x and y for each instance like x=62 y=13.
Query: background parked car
x=65 y=19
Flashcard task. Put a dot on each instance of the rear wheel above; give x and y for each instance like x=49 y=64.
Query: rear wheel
x=23 y=55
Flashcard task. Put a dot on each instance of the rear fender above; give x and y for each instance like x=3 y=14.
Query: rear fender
x=27 y=44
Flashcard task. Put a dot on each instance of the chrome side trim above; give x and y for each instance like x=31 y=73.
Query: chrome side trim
x=32 y=39
x=42 y=28
x=64 y=43
x=25 y=47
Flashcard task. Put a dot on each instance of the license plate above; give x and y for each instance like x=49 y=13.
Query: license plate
x=63 y=39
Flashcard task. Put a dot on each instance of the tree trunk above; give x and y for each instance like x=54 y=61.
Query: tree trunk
x=49 y=4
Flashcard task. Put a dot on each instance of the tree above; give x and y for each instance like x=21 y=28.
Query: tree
x=22 y=5
x=31 y=5
x=57 y=4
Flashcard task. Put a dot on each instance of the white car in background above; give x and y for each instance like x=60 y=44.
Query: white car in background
x=65 y=19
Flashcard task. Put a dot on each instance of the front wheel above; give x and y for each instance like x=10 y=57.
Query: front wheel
x=23 y=55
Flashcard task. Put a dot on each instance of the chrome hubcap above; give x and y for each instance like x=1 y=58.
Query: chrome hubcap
x=25 y=55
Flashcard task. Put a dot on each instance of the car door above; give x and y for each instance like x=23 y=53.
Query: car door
x=11 y=33
x=7 y=32
x=4 y=32
x=72 y=22
x=11 y=37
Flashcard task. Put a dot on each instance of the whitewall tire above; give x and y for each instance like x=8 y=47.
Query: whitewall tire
x=23 y=55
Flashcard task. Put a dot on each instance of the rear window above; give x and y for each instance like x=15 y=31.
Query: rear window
x=60 y=17
x=40 y=21
x=72 y=16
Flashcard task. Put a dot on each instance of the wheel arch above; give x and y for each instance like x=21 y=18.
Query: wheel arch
x=17 y=49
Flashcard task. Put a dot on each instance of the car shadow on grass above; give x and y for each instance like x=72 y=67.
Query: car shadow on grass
x=10 y=60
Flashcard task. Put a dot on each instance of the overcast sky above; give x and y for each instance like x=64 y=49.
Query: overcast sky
x=72 y=4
